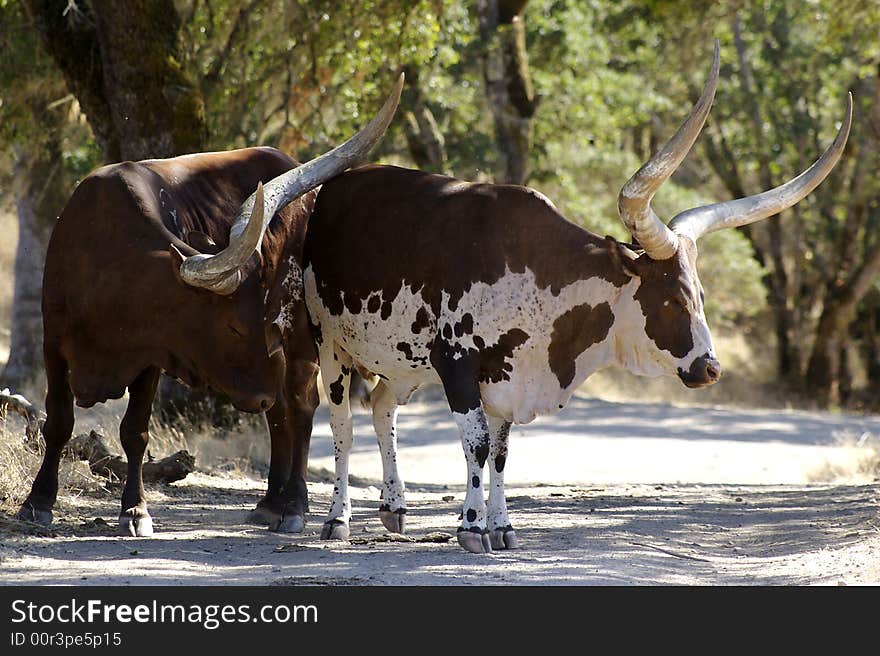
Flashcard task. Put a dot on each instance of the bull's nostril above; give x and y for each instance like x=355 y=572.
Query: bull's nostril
x=712 y=372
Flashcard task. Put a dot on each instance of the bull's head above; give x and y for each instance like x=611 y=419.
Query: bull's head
x=669 y=293
x=238 y=344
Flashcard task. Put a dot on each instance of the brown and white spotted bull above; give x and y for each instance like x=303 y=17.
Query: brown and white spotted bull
x=488 y=290
x=144 y=273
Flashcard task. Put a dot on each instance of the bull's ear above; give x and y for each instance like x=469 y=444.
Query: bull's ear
x=177 y=259
x=623 y=258
x=202 y=242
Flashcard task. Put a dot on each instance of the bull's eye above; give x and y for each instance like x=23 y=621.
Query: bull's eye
x=235 y=331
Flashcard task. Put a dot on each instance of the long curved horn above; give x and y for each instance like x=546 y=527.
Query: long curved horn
x=634 y=201
x=221 y=272
x=696 y=222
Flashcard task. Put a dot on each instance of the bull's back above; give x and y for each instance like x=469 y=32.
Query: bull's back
x=377 y=226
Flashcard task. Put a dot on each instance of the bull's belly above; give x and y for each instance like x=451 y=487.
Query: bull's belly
x=96 y=376
x=402 y=361
x=526 y=395
x=395 y=343
x=409 y=368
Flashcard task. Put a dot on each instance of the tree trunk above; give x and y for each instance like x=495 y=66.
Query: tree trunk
x=838 y=312
x=40 y=194
x=424 y=139
x=122 y=62
x=67 y=34
x=776 y=281
x=157 y=111
x=508 y=83
x=866 y=331
x=844 y=377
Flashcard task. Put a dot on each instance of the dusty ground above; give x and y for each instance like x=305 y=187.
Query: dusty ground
x=602 y=494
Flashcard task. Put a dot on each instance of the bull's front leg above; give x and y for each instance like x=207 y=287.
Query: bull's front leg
x=134 y=520
x=463 y=394
x=472 y=534
x=501 y=534
x=392 y=511
x=336 y=376
x=56 y=432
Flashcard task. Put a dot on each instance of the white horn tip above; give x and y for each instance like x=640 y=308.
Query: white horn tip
x=396 y=90
x=259 y=205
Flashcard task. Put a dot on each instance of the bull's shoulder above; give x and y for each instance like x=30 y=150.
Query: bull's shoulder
x=393 y=179
x=260 y=161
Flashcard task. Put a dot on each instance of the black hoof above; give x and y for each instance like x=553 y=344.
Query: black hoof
x=393 y=520
x=503 y=538
x=28 y=513
x=288 y=524
x=473 y=541
x=335 y=529
x=135 y=523
x=263 y=516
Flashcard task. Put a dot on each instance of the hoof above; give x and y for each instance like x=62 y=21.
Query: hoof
x=503 y=538
x=263 y=516
x=474 y=542
x=288 y=524
x=335 y=529
x=135 y=526
x=393 y=520
x=27 y=513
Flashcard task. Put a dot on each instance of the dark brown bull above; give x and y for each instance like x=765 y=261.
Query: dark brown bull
x=145 y=273
x=488 y=290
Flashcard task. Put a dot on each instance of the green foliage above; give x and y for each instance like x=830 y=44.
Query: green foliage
x=28 y=81
x=35 y=106
x=300 y=75
x=615 y=79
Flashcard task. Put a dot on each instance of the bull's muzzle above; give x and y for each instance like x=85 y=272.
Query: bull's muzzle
x=705 y=370
x=256 y=403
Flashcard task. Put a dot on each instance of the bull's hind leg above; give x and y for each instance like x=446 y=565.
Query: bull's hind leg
x=290 y=429
x=501 y=533
x=392 y=511
x=335 y=375
x=134 y=520
x=268 y=509
x=56 y=431
x=463 y=394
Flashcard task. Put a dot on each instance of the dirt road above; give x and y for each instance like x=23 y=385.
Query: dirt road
x=604 y=493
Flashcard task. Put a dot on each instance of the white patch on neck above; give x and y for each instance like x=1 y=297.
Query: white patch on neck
x=293 y=292
x=293 y=281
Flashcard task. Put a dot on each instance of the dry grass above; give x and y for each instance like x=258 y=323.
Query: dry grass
x=243 y=448
x=241 y=451
x=857 y=461
x=19 y=465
